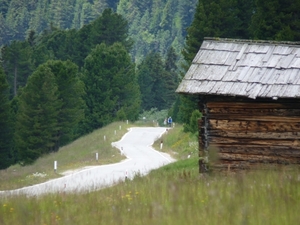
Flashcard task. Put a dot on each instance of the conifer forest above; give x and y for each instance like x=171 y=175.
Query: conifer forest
x=69 y=67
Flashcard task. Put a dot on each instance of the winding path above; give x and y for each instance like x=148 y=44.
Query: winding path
x=141 y=158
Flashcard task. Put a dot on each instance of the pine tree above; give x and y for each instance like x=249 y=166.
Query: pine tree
x=38 y=19
x=172 y=76
x=37 y=124
x=17 y=64
x=124 y=85
x=70 y=92
x=109 y=28
x=4 y=30
x=146 y=82
x=87 y=14
x=153 y=78
x=5 y=131
x=17 y=19
x=276 y=20
x=110 y=86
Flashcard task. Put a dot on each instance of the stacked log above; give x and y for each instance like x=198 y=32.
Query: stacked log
x=248 y=132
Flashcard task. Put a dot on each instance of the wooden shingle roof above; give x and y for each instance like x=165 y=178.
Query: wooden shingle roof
x=246 y=68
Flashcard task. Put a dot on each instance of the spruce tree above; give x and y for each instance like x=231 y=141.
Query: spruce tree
x=109 y=28
x=70 y=93
x=5 y=131
x=276 y=20
x=37 y=118
x=17 y=64
x=110 y=85
x=4 y=30
x=153 y=80
x=146 y=82
x=172 y=76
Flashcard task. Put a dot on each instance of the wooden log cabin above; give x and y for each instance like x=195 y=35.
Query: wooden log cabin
x=249 y=96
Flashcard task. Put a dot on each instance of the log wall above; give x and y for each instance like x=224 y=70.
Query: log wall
x=250 y=132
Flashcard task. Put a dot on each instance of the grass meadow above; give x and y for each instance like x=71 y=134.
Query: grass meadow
x=173 y=194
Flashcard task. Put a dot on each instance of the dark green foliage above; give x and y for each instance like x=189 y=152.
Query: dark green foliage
x=110 y=28
x=192 y=126
x=71 y=90
x=5 y=125
x=276 y=20
x=17 y=64
x=172 y=80
x=4 y=4
x=17 y=19
x=245 y=10
x=158 y=80
x=187 y=104
x=37 y=118
x=111 y=87
x=75 y=45
x=156 y=25
x=4 y=30
x=50 y=106
x=152 y=78
x=14 y=105
x=217 y=18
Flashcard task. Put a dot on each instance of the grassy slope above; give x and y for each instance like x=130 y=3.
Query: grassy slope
x=174 y=194
x=79 y=153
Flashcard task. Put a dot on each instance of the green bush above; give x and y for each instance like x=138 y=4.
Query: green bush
x=193 y=125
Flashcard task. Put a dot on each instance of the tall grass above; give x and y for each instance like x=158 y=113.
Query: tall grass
x=174 y=194
x=177 y=143
x=80 y=153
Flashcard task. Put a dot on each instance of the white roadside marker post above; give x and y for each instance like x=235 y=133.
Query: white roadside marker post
x=104 y=138
x=115 y=132
x=161 y=145
x=55 y=166
x=97 y=156
x=120 y=127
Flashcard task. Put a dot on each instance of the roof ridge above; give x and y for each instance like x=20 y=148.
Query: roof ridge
x=252 y=41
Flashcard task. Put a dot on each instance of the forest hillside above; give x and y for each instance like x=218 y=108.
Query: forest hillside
x=70 y=67
x=153 y=25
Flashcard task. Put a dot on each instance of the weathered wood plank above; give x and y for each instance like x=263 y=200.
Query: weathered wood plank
x=262 y=150
x=227 y=165
x=253 y=105
x=254 y=126
x=248 y=133
x=254 y=135
x=258 y=158
x=295 y=119
x=227 y=111
x=219 y=141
